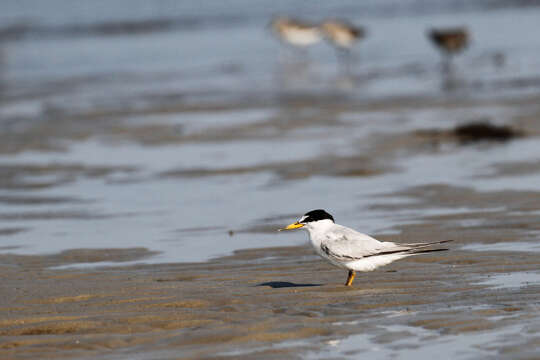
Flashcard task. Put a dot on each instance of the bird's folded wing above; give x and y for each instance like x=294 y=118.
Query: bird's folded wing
x=347 y=244
x=347 y=249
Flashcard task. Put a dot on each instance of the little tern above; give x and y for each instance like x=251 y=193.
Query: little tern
x=351 y=250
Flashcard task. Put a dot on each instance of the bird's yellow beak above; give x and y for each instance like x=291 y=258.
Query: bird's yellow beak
x=293 y=226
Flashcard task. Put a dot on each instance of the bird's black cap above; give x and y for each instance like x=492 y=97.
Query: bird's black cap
x=316 y=215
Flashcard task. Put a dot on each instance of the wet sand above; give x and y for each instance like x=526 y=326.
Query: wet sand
x=286 y=302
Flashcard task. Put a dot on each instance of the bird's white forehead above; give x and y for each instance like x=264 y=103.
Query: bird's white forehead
x=302 y=218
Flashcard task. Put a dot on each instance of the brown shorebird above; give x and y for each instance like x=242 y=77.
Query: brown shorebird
x=450 y=41
x=295 y=32
x=343 y=36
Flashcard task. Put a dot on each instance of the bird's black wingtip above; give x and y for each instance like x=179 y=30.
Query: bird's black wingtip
x=427 y=251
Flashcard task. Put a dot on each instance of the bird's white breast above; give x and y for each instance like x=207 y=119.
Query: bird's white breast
x=301 y=37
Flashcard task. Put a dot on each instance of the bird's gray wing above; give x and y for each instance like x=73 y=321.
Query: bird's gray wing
x=347 y=245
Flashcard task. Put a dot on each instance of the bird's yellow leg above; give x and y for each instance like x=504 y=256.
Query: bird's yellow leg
x=350 y=278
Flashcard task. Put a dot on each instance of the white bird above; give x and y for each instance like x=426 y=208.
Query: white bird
x=351 y=250
x=295 y=32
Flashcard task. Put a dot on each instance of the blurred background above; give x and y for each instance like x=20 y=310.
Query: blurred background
x=192 y=129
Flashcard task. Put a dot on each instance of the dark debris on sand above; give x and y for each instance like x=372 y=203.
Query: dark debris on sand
x=484 y=131
x=472 y=132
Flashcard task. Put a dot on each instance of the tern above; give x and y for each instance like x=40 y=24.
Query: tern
x=351 y=250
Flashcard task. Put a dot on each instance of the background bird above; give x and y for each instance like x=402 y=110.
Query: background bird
x=351 y=250
x=342 y=36
x=450 y=41
x=295 y=32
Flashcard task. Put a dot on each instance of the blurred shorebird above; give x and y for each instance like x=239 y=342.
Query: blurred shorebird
x=295 y=32
x=351 y=250
x=296 y=36
x=343 y=36
x=450 y=41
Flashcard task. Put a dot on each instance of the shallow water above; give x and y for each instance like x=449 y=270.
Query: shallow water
x=152 y=191
x=421 y=344
x=513 y=280
x=504 y=246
